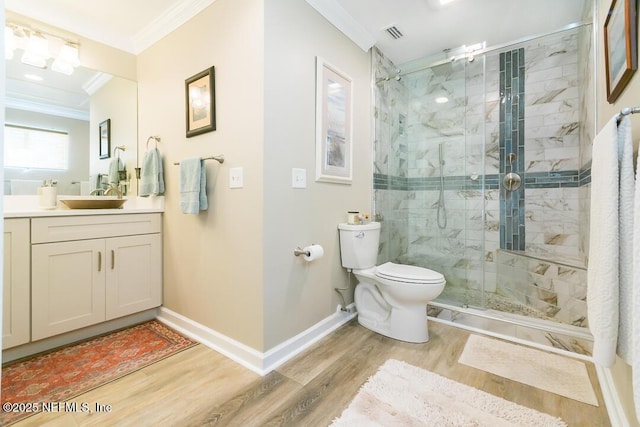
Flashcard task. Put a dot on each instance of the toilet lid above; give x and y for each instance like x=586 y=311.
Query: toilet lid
x=408 y=273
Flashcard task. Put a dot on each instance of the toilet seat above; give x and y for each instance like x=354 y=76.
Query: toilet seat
x=408 y=274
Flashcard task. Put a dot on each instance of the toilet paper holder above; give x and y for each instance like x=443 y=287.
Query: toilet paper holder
x=299 y=251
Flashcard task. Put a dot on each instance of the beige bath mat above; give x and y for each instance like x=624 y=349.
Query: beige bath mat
x=556 y=374
x=400 y=394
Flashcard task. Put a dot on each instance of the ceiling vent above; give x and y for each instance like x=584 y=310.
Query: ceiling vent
x=394 y=32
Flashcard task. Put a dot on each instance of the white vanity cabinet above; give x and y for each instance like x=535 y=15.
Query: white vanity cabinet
x=16 y=294
x=88 y=269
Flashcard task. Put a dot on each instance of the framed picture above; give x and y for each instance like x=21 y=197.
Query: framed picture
x=334 y=140
x=105 y=139
x=620 y=46
x=201 y=103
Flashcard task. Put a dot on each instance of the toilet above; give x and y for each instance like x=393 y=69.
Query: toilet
x=391 y=298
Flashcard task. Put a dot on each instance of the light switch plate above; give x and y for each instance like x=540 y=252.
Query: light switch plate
x=236 y=178
x=298 y=178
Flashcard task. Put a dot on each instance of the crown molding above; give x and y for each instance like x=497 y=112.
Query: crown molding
x=336 y=15
x=39 y=107
x=173 y=17
x=96 y=82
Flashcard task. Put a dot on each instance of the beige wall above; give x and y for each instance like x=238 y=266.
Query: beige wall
x=298 y=294
x=232 y=268
x=621 y=371
x=116 y=100
x=213 y=262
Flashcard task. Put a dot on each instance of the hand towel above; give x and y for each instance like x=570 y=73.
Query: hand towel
x=151 y=175
x=193 y=186
x=635 y=297
x=114 y=167
x=626 y=202
x=603 y=270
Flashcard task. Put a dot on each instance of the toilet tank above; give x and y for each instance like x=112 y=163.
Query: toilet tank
x=359 y=245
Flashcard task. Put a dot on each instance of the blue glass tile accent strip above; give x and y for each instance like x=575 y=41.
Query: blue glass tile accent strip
x=511 y=143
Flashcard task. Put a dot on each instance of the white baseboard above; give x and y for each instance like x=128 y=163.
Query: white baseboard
x=617 y=416
x=259 y=362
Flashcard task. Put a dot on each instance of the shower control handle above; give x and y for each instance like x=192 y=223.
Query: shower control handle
x=512 y=181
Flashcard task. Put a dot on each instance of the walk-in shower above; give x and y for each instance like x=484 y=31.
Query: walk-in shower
x=482 y=172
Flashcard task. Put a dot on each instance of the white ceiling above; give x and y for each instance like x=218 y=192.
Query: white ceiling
x=428 y=28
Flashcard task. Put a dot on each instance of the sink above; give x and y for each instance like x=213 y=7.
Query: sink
x=93 y=202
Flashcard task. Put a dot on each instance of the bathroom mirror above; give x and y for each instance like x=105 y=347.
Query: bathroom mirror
x=74 y=104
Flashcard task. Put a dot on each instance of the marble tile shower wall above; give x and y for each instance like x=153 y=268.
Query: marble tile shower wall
x=549 y=290
x=390 y=161
x=587 y=131
x=552 y=147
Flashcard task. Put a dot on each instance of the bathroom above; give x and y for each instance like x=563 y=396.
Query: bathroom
x=267 y=134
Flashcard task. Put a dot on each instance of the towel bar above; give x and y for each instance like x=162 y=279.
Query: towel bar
x=219 y=159
x=629 y=110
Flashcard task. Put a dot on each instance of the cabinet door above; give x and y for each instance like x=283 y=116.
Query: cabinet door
x=15 y=288
x=67 y=289
x=134 y=274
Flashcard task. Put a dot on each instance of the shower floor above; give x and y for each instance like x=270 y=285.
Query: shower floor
x=475 y=298
x=514 y=326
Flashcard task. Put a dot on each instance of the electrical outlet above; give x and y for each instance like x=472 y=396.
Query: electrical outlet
x=298 y=178
x=236 y=178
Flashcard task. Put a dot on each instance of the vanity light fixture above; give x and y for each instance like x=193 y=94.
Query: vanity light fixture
x=39 y=47
x=37 y=51
x=66 y=60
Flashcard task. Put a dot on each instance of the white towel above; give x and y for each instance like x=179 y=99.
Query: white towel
x=603 y=271
x=626 y=202
x=635 y=295
x=151 y=178
x=193 y=189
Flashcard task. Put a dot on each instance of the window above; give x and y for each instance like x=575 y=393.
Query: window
x=32 y=148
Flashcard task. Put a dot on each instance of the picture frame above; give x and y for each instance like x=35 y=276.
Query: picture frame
x=334 y=124
x=105 y=139
x=620 y=46
x=200 y=103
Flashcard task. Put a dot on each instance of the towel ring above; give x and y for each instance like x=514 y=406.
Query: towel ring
x=156 y=139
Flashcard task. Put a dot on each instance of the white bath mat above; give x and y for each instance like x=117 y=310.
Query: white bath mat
x=400 y=394
x=556 y=374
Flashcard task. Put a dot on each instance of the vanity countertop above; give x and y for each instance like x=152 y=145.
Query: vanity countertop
x=27 y=207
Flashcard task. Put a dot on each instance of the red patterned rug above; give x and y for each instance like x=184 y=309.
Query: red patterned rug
x=62 y=374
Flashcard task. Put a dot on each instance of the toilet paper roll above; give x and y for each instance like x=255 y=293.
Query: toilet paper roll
x=314 y=251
